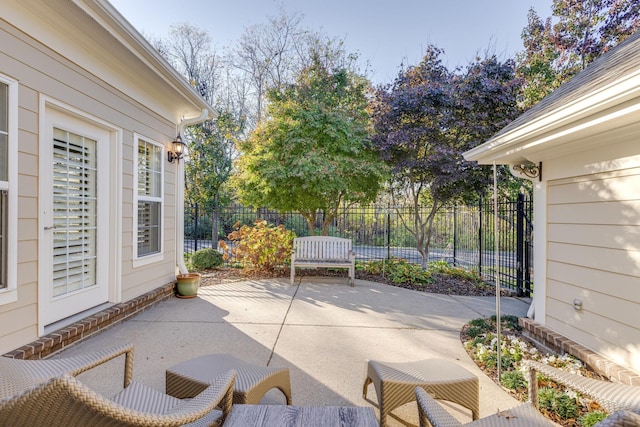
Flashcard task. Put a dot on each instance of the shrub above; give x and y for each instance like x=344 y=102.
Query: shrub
x=262 y=247
x=556 y=401
x=592 y=418
x=546 y=398
x=475 y=331
x=206 y=258
x=567 y=406
x=481 y=323
x=514 y=380
x=443 y=267
x=478 y=327
x=399 y=270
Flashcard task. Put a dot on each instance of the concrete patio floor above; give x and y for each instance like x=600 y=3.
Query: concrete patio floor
x=321 y=329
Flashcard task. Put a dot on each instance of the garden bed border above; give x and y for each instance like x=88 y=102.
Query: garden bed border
x=550 y=340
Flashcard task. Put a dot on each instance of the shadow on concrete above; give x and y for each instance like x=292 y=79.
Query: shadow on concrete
x=322 y=329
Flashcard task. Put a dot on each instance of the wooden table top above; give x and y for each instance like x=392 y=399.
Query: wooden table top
x=294 y=416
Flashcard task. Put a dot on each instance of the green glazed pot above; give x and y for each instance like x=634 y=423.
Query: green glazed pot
x=187 y=285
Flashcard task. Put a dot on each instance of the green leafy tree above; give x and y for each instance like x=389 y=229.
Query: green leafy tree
x=312 y=153
x=211 y=148
x=210 y=164
x=535 y=63
x=578 y=32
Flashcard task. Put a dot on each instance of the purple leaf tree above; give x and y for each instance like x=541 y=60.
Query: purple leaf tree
x=426 y=119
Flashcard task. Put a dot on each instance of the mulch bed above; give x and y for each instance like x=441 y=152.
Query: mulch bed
x=442 y=284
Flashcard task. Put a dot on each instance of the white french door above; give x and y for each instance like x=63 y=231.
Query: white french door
x=74 y=218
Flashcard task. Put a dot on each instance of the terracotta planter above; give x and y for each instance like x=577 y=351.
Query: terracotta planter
x=187 y=285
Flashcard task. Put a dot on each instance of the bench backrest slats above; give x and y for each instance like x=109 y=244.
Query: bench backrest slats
x=321 y=247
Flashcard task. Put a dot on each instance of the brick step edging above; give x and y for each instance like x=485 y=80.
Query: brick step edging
x=62 y=338
x=561 y=344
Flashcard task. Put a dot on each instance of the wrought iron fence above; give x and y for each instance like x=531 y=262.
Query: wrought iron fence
x=462 y=235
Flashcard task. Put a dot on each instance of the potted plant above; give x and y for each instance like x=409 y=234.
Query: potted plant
x=187 y=285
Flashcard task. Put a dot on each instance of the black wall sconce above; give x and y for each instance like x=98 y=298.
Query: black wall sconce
x=177 y=151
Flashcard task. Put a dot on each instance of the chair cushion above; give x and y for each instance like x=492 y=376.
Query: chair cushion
x=139 y=397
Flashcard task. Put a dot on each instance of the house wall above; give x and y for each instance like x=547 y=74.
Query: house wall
x=42 y=72
x=593 y=250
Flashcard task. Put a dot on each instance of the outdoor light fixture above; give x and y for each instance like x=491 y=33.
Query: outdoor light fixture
x=177 y=150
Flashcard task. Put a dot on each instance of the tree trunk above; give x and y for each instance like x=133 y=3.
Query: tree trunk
x=311 y=222
x=326 y=223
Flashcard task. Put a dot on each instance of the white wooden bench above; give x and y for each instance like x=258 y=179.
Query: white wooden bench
x=323 y=251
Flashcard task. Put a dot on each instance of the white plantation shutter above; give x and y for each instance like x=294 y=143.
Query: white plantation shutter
x=74 y=212
x=149 y=169
x=149 y=198
x=148 y=227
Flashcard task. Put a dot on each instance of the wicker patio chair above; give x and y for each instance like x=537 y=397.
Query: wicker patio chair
x=612 y=397
x=64 y=401
x=620 y=419
x=17 y=375
x=432 y=414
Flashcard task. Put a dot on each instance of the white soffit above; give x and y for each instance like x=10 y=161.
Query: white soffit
x=92 y=34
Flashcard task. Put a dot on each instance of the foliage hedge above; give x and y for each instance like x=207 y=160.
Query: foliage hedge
x=206 y=258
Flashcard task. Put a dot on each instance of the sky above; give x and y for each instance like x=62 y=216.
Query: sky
x=385 y=33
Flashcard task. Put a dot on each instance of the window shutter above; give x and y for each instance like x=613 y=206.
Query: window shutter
x=74 y=212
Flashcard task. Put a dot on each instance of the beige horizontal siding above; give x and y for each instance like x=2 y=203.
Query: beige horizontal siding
x=605 y=332
x=591 y=279
x=27 y=275
x=614 y=186
x=615 y=213
x=591 y=257
x=595 y=303
x=20 y=315
x=41 y=71
x=625 y=237
x=593 y=254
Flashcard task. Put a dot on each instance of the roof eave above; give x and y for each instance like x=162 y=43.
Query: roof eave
x=109 y=17
x=605 y=108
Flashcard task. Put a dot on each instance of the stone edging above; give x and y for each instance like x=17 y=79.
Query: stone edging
x=560 y=344
x=58 y=340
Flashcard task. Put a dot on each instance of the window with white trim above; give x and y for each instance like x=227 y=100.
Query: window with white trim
x=8 y=198
x=148 y=203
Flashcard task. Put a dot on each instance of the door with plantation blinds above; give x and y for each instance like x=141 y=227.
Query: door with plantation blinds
x=74 y=226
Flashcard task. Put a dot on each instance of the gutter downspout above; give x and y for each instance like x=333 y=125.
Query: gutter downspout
x=182 y=269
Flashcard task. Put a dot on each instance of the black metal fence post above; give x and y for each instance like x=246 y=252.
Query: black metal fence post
x=388 y=231
x=480 y=250
x=195 y=228
x=455 y=235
